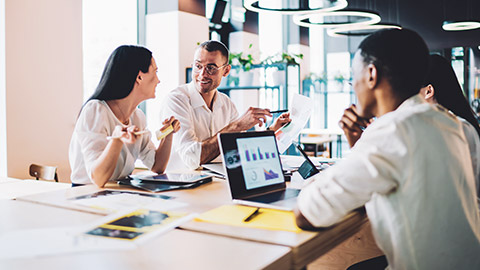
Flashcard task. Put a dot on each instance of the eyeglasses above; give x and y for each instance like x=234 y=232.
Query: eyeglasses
x=211 y=69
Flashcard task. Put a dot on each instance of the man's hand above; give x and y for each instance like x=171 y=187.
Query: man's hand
x=281 y=121
x=252 y=117
x=352 y=124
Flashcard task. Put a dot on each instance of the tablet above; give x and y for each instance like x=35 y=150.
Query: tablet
x=307 y=169
x=173 y=178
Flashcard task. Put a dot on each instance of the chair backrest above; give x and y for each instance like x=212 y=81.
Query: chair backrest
x=44 y=172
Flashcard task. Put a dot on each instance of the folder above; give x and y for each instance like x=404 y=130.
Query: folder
x=234 y=215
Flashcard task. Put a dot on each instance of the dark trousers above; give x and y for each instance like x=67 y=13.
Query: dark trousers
x=379 y=263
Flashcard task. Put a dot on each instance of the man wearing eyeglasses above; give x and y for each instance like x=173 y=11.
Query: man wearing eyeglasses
x=204 y=112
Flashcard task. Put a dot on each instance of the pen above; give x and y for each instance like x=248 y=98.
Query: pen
x=135 y=133
x=251 y=216
x=279 y=111
x=140 y=132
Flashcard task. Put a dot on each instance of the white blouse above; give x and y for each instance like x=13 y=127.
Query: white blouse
x=412 y=171
x=89 y=139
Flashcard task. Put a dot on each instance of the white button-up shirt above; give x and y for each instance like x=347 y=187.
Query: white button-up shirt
x=89 y=139
x=197 y=123
x=474 y=144
x=412 y=170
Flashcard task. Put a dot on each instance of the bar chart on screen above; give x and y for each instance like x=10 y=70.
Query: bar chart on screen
x=260 y=161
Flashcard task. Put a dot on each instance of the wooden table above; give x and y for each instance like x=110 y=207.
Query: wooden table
x=177 y=249
x=305 y=246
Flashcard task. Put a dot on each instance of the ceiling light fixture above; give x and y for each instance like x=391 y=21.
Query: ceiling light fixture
x=253 y=5
x=369 y=17
x=360 y=30
x=460 y=25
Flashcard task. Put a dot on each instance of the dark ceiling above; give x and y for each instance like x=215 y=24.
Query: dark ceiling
x=426 y=18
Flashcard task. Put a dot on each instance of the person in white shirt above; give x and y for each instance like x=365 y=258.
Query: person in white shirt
x=204 y=112
x=408 y=167
x=106 y=141
x=441 y=87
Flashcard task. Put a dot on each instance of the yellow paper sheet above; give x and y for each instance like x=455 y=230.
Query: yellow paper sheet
x=233 y=215
x=162 y=134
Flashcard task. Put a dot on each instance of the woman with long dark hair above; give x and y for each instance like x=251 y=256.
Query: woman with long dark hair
x=110 y=133
x=441 y=86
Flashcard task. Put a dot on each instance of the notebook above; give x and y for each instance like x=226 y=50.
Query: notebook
x=254 y=171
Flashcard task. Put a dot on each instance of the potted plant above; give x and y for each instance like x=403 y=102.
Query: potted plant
x=339 y=79
x=238 y=59
x=284 y=57
x=315 y=80
x=277 y=60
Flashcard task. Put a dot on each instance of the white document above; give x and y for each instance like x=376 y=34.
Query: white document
x=116 y=202
x=290 y=162
x=217 y=168
x=54 y=241
x=300 y=111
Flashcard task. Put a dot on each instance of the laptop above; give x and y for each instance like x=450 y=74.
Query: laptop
x=254 y=171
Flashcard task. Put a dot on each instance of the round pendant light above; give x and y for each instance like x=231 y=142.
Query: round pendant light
x=365 y=17
x=253 y=5
x=360 y=30
x=460 y=25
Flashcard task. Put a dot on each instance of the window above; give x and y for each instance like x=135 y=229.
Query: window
x=107 y=24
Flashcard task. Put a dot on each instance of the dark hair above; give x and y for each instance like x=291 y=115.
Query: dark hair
x=213 y=45
x=447 y=90
x=400 y=56
x=121 y=71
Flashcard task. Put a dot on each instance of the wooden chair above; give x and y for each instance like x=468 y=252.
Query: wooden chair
x=44 y=172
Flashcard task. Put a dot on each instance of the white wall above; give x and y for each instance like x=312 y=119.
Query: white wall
x=240 y=41
x=3 y=119
x=43 y=82
x=172 y=37
x=317 y=50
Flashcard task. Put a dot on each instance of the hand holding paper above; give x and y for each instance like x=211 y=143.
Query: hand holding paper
x=300 y=111
x=281 y=121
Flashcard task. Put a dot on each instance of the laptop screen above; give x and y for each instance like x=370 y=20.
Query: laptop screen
x=260 y=163
x=252 y=163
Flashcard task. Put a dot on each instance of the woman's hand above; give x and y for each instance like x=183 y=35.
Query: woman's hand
x=283 y=119
x=125 y=134
x=171 y=122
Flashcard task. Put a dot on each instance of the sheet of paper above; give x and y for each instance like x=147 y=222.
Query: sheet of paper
x=115 y=202
x=14 y=189
x=234 y=215
x=54 y=241
x=216 y=168
x=300 y=111
x=293 y=162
